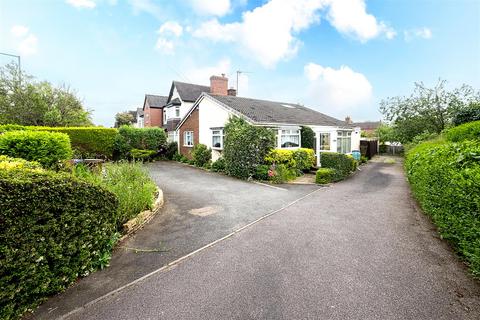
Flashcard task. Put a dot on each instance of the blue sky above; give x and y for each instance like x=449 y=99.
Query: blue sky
x=340 y=57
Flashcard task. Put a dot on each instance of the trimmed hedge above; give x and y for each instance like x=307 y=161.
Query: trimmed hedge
x=11 y=127
x=7 y=163
x=138 y=138
x=245 y=147
x=53 y=228
x=47 y=148
x=201 y=155
x=299 y=159
x=324 y=175
x=342 y=163
x=445 y=179
x=305 y=159
x=466 y=131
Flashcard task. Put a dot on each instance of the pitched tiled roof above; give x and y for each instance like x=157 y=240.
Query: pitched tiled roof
x=139 y=112
x=263 y=111
x=156 y=101
x=190 y=92
x=367 y=125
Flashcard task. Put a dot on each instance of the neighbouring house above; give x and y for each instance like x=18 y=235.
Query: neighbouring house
x=139 y=119
x=153 y=110
x=368 y=128
x=181 y=98
x=207 y=116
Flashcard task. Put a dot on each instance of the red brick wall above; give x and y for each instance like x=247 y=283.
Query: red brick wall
x=152 y=117
x=219 y=85
x=190 y=124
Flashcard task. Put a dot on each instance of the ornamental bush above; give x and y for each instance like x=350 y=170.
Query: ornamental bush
x=304 y=158
x=307 y=137
x=466 y=131
x=142 y=155
x=201 y=155
x=342 y=163
x=54 y=228
x=445 y=179
x=219 y=165
x=280 y=173
x=245 y=147
x=7 y=163
x=324 y=175
x=281 y=156
x=138 y=138
x=11 y=127
x=47 y=148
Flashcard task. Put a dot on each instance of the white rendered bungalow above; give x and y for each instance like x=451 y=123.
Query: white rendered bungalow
x=205 y=120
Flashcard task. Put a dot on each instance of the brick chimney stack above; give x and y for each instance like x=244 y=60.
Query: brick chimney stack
x=219 y=85
x=232 y=92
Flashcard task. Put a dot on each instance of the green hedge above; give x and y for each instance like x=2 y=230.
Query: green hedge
x=445 y=179
x=300 y=159
x=219 y=165
x=47 y=148
x=87 y=142
x=245 y=147
x=307 y=137
x=139 y=138
x=342 y=163
x=466 y=131
x=201 y=155
x=7 y=163
x=324 y=175
x=53 y=228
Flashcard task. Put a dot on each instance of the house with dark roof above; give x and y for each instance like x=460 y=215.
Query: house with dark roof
x=153 y=106
x=205 y=119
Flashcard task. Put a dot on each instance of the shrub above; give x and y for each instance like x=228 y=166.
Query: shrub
x=219 y=165
x=444 y=177
x=170 y=150
x=138 y=138
x=201 y=155
x=131 y=184
x=308 y=137
x=47 y=148
x=281 y=173
x=324 y=175
x=363 y=159
x=304 y=158
x=11 y=127
x=261 y=172
x=87 y=142
x=281 y=156
x=383 y=148
x=468 y=114
x=184 y=159
x=245 y=147
x=466 y=131
x=177 y=157
x=53 y=229
x=143 y=155
x=342 y=164
x=7 y=163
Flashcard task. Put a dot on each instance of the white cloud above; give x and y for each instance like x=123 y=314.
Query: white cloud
x=211 y=7
x=337 y=90
x=147 y=6
x=201 y=75
x=88 y=4
x=165 y=46
x=423 y=33
x=28 y=46
x=19 y=31
x=268 y=33
x=171 y=28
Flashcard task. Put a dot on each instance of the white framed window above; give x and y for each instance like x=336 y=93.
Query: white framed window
x=290 y=138
x=217 y=138
x=188 y=138
x=344 y=141
x=177 y=111
x=324 y=141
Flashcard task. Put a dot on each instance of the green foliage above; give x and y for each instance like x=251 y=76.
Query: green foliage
x=7 y=163
x=139 y=138
x=219 y=165
x=423 y=137
x=363 y=159
x=177 y=157
x=466 y=131
x=304 y=158
x=280 y=173
x=245 y=147
x=131 y=184
x=124 y=118
x=342 y=163
x=261 y=172
x=281 y=156
x=54 y=228
x=445 y=179
x=426 y=109
x=385 y=133
x=307 y=137
x=11 y=127
x=201 y=155
x=143 y=155
x=298 y=160
x=324 y=175
x=468 y=114
x=27 y=102
x=47 y=148
x=170 y=150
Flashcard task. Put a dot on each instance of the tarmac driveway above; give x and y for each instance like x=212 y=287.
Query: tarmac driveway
x=200 y=207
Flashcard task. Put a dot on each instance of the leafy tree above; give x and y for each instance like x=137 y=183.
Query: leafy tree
x=124 y=118
x=426 y=110
x=308 y=137
x=386 y=133
x=27 y=102
x=469 y=114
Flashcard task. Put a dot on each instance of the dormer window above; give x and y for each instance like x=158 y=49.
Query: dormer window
x=177 y=111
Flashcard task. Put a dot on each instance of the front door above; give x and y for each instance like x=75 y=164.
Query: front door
x=324 y=143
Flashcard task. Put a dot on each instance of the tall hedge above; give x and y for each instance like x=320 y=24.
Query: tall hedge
x=445 y=179
x=245 y=147
x=342 y=163
x=47 y=148
x=139 y=138
x=466 y=131
x=307 y=137
x=53 y=228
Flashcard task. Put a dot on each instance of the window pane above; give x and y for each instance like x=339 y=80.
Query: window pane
x=216 y=142
x=325 y=141
x=289 y=141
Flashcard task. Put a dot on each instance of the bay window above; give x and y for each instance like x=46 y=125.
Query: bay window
x=344 y=141
x=217 y=138
x=289 y=138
